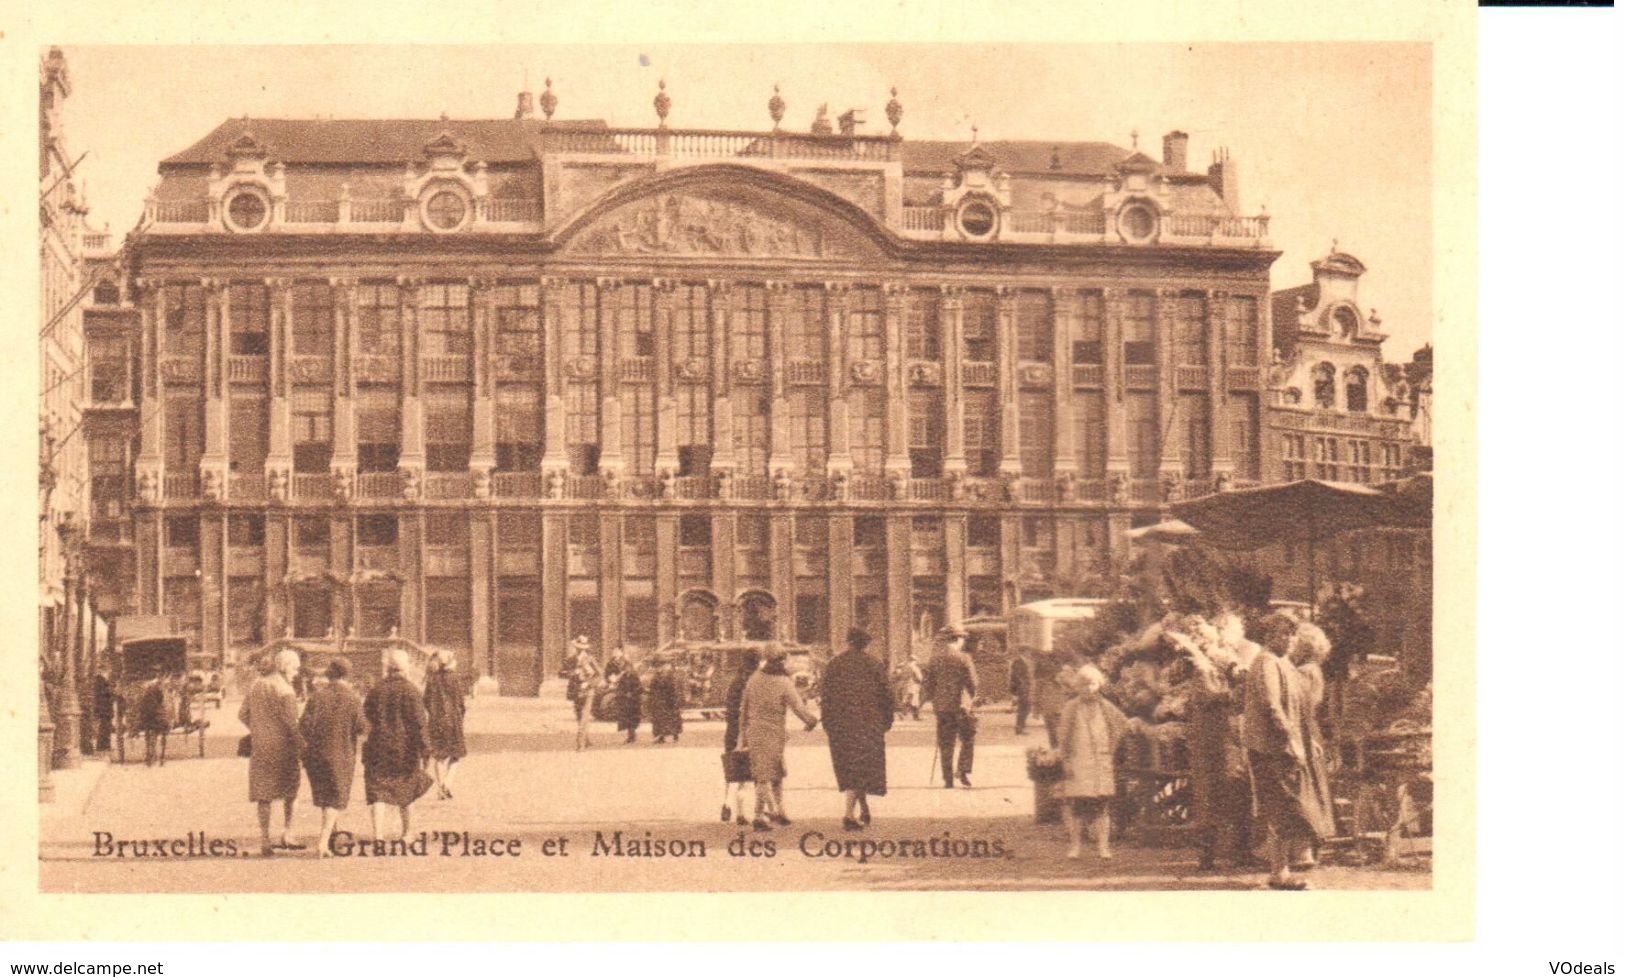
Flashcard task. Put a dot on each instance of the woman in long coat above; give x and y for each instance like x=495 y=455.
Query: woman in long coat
x=857 y=710
x=443 y=702
x=769 y=694
x=392 y=759
x=1091 y=728
x=629 y=702
x=666 y=704
x=331 y=726
x=1310 y=649
x=734 y=779
x=271 y=712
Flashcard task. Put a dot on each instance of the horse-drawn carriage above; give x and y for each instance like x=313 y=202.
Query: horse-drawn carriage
x=156 y=695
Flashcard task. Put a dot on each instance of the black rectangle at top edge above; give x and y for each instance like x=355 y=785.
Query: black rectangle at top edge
x=1545 y=3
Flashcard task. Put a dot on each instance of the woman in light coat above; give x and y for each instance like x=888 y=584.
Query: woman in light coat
x=769 y=694
x=1091 y=728
x=1310 y=649
x=271 y=713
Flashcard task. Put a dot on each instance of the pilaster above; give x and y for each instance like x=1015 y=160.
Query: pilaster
x=953 y=541
x=1064 y=327
x=555 y=458
x=1117 y=464
x=412 y=448
x=953 y=384
x=482 y=569
x=723 y=300
x=1222 y=450
x=344 y=345
x=613 y=317
x=837 y=307
x=1009 y=400
x=778 y=313
x=482 y=301
x=897 y=383
x=899 y=584
x=840 y=578
x=609 y=581
x=665 y=381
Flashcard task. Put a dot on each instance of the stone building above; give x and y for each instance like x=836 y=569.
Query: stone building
x=492 y=384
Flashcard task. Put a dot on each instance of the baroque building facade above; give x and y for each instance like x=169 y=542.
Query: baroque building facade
x=493 y=384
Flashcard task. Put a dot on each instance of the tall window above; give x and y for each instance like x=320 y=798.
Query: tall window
x=378 y=319
x=1360 y=461
x=518 y=323
x=1354 y=389
x=809 y=441
x=183 y=429
x=924 y=328
x=1295 y=463
x=579 y=306
x=581 y=426
x=312 y=319
x=183 y=602
x=312 y=612
x=866 y=423
x=377 y=429
x=1326 y=458
x=1089 y=427
x=447 y=430
x=749 y=327
x=445 y=530
x=982 y=432
x=376 y=529
x=980 y=326
x=804 y=327
x=1244 y=434
x=109 y=370
x=1037 y=412
x=1089 y=348
x=311 y=534
x=443 y=319
x=312 y=429
x=245 y=531
x=181 y=532
x=982 y=532
x=1241 y=339
x=250 y=319
x=925 y=433
x=638 y=428
x=1190 y=329
x=245 y=603
x=446 y=612
x=1035 y=338
x=752 y=429
x=1144 y=447
x=1139 y=330
x=183 y=320
x=690 y=326
x=1325 y=380
x=1194 y=411
x=866 y=325
x=693 y=429
x=519 y=428
x=249 y=444
x=1038 y=533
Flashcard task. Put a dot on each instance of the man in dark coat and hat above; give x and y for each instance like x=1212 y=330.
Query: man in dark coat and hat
x=950 y=687
x=857 y=711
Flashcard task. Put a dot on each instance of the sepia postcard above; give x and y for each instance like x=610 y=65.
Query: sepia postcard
x=964 y=486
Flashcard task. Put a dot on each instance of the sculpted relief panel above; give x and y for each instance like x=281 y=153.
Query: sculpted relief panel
x=705 y=224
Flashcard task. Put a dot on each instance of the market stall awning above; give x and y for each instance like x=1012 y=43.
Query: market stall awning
x=1306 y=511
x=1173 y=531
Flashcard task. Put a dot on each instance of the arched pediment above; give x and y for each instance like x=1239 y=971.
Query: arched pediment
x=731 y=212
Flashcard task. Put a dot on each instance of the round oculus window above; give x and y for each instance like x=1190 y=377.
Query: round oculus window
x=246 y=211
x=445 y=210
x=1138 y=223
x=977 y=219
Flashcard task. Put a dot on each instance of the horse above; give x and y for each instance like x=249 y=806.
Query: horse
x=157 y=708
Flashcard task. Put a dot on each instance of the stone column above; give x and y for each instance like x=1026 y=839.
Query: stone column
x=555 y=573
x=666 y=575
x=723 y=578
x=413 y=457
x=1010 y=562
x=840 y=578
x=781 y=556
x=1169 y=419
x=344 y=352
x=341 y=561
x=613 y=317
x=778 y=313
x=481 y=571
x=1064 y=326
x=899 y=584
x=149 y=464
x=611 y=605
x=897 y=382
x=1117 y=464
x=483 y=454
x=278 y=533
x=724 y=305
x=953 y=378
x=410 y=530
x=216 y=460
x=1009 y=399
x=837 y=307
x=279 y=453
x=1222 y=450
x=665 y=380
x=953 y=543
x=212 y=578
x=555 y=460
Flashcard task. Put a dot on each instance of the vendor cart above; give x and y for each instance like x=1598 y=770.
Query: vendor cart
x=1385 y=795
x=153 y=695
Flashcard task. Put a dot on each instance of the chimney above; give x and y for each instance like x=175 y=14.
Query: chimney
x=1173 y=150
x=527 y=106
x=1221 y=176
x=849 y=121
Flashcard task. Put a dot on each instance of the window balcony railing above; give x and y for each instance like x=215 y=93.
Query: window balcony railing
x=923 y=219
x=928 y=489
x=446 y=369
x=584 y=486
x=443 y=486
x=868 y=488
x=751 y=487
x=512 y=211
x=178 y=211
x=804 y=371
x=180 y=485
x=1191 y=377
x=312 y=487
x=1140 y=376
x=516 y=485
x=312 y=212
x=1039 y=490
x=638 y=369
x=1145 y=490
x=378 y=485
x=694 y=487
x=377 y=211
x=1091 y=490
x=979 y=374
x=1088 y=375
x=246 y=369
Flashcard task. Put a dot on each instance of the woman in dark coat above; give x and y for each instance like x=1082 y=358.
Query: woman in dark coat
x=330 y=728
x=857 y=711
x=392 y=759
x=443 y=701
x=629 y=702
x=735 y=777
x=666 y=704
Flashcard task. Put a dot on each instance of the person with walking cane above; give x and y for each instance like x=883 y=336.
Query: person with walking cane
x=950 y=687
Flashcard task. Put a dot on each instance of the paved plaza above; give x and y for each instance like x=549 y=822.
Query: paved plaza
x=523 y=782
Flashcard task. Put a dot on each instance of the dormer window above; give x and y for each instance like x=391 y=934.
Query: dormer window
x=1348 y=324
x=445 y=210
x=1138 y=223
x=247 y=210
x=977 y=219
x=1325 y=386
x=1354 y=390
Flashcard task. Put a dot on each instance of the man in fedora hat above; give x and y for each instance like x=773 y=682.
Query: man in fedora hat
x=950 y=687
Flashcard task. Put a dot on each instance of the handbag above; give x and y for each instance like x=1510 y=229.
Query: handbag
x=736 y=766
x=245 y=746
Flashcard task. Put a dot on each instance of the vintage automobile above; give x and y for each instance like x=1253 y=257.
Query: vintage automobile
x=154 y=695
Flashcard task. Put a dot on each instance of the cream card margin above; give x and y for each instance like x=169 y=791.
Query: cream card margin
x=1443 y=913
